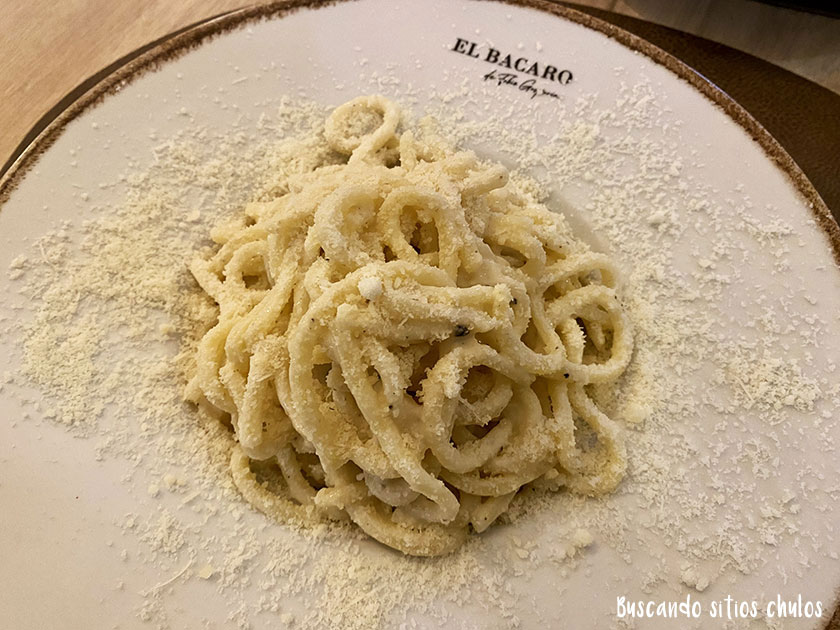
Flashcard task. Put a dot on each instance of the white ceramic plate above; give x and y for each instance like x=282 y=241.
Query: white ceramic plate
x=747 y=492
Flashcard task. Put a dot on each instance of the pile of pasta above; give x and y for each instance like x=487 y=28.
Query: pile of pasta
x=407 y=340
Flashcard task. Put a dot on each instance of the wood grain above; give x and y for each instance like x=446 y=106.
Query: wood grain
x=806 y=44
x=47 y=47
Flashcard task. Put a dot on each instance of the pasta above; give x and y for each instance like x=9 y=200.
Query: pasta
x=406 y=339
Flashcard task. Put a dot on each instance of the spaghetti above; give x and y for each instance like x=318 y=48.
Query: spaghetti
x=406 y=339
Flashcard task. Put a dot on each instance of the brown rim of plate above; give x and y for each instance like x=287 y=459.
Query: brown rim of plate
x=119 y=74
x=152 y=56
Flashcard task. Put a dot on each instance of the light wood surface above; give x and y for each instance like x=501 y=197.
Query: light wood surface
x=48 y=47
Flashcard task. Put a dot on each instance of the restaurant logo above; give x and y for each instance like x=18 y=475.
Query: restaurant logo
x=516 y=71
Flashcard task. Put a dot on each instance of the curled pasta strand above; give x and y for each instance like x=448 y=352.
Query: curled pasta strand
x=359 y=148
x=407 y=339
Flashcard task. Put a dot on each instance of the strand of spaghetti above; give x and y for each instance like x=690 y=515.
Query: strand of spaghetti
x=407 y=339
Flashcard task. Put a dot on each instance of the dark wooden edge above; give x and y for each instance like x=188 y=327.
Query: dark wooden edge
x=151 y=56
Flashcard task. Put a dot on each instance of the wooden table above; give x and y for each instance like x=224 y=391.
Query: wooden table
x=49 y=49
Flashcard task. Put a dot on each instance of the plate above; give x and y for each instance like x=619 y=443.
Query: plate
x=729 y=261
